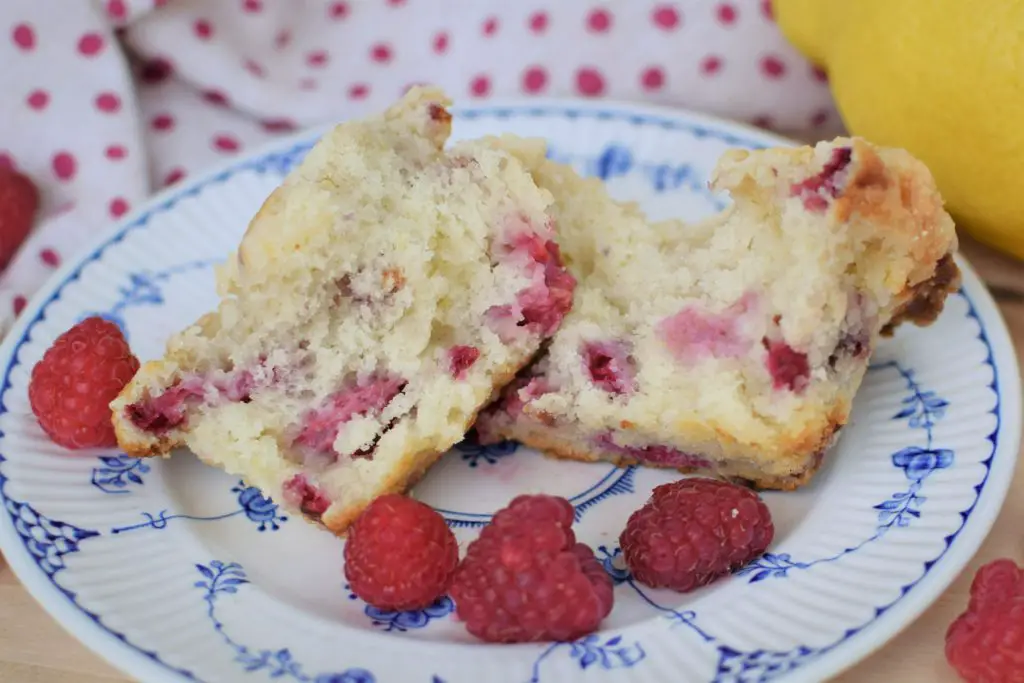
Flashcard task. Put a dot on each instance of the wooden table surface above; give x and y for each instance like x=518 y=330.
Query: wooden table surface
x=34 y=649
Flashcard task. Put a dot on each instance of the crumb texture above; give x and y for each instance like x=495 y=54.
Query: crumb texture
x=732 y=345
x=376 y=300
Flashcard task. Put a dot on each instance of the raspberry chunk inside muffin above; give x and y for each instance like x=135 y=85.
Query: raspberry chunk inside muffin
x=378 y=299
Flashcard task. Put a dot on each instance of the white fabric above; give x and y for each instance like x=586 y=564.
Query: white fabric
x=109 y=100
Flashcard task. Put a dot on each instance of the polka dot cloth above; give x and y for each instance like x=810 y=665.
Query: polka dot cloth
x=112 y=100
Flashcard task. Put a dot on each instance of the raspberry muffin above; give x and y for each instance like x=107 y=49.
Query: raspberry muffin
x=378 y=299
x=734 y=345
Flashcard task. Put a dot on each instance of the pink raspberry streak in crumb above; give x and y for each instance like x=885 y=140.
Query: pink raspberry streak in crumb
x=787 y=366
x=299 y=493
x=163 y=412
x=509 y=407
x=460 y=359
x=816 y=191
x=664 y=456
x=505 y=321
x=695 y=333
x=609 y=366
x=320 y=427
x=541 y=305
x=533 y=388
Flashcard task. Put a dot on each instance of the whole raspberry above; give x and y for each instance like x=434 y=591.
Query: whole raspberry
x=72 y=386
x=694 y=531
x=986 y=643
x=400 y=554
x=19 y=200
x=527 y=579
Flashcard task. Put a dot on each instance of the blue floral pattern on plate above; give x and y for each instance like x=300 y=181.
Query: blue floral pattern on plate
x=51 y=540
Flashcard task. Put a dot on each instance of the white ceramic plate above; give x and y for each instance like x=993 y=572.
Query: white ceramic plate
x=176 y=572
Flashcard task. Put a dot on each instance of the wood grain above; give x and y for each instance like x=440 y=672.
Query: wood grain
x=34 y=649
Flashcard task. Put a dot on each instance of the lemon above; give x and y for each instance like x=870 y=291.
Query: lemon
x=943 y=79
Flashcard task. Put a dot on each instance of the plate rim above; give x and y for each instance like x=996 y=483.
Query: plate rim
x=119 y=652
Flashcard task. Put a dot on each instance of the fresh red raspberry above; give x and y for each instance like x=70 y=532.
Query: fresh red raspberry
x=694 y=531
x=72 y=386
x=527 y=579
x=986 y=643
x=400 y=554
x=19 y=200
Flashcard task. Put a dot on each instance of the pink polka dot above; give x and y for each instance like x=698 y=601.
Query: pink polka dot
x=117 y=9
x=772 y=67
x=710 y=65
x=252 y=5
x=819 y=74
x=108 y=102
x=726 y=14
x=308 y=84
x=281 y=125
x=203 y=29
x=766 y=10
x=7 y=162
x=64 y=165
x=226 y=143
x=19 y=304
x=317 y=58
x=535 y=79
x=665 y=17
x=156 y=70
x=283 y=37
x=652 y=78
x=216 y=98
x=49 y=257
x=381 y=52
x=358 y=91
x=589 y=82
x=538 y=22
x=480 y=86
x=115 y=152
x=441 y=43
x=490 y=26
x=118 y=207
x=24 y=36
x=162 y=122
x=173 y=176
x=90 y=44
x=38 y=99
x=599 y=21
x=396 y=3
x=820 y=118
x=338 y=10
x=254 y=67
x=762 y=121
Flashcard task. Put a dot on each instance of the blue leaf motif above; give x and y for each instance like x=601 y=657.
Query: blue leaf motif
x=474 y=453
x=611 y=654
x=349 y=676
x=115 y=473
x=412 y=619
x=616 y=160
x=917 y=462
x=205 y=571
